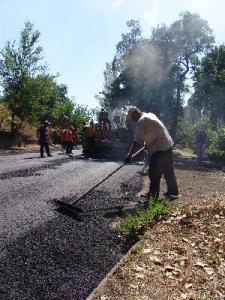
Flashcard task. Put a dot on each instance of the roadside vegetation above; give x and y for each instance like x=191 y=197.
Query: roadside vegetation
x=157 y=73
x=30 y=93
x=215 y=145
x=180 y=257
x=134 y=224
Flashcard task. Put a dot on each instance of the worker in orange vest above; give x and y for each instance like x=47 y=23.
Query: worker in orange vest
x=68 y=139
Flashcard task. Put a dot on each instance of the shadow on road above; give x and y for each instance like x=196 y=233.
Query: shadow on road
x=190 y=163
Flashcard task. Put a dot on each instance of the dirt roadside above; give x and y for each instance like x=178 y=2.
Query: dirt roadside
x=25 y=149
x=32 y=148
x=183 y=255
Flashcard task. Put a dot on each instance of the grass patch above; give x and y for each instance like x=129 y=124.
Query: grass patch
x=134 y=224
x=187 y=150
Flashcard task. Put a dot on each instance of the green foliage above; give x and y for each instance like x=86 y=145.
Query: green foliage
x=4 y=115
x=210 y=84
x=216 y=147
x=215 y=138
x=18 y=64
x=29 y=91
x=81 y=115
x=62 y=109
x=187 y=132
x=46 y=97
x=135 y=223
x=185 y=136
x=151 y=73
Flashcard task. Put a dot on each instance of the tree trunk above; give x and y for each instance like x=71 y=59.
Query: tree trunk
x=12 y=124
x=174 y=125
x=175 y=115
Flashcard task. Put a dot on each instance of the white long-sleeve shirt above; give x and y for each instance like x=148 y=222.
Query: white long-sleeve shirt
x=151 y=131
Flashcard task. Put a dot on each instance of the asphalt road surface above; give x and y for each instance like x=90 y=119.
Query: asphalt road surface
x=51 y=254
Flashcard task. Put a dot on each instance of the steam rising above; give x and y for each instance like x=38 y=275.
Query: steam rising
x=146 y=63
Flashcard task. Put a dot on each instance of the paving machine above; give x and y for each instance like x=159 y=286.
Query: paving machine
x=107 y=138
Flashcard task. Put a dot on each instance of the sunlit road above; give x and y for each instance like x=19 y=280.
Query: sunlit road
x=33 y=182
x=46 y=255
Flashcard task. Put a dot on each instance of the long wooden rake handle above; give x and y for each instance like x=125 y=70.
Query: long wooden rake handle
x=97 y=184
x=105 y=178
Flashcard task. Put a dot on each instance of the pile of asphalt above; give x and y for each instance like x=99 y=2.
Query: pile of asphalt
x=67 y=257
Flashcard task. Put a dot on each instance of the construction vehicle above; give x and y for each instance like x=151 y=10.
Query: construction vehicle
x=107 y=138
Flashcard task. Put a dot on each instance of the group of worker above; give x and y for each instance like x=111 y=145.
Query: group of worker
x=69 y=138
x=151 y=132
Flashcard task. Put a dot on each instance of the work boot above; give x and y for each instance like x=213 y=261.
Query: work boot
x=150 y=195
x=172 y=196
x=145 y=195
x=50 y=155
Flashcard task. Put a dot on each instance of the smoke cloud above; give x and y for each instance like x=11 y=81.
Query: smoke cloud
x=147 y=63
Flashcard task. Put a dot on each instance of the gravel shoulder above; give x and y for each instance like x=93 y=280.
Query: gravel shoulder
x=182 y=256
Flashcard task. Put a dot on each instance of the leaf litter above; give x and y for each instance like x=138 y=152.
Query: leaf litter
x=180 y=257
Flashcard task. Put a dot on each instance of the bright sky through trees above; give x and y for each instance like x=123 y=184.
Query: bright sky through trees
x=79 y=36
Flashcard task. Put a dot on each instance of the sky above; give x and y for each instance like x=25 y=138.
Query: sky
x=80 y=36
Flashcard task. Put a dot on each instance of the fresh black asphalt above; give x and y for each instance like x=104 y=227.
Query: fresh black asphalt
x=47 y=254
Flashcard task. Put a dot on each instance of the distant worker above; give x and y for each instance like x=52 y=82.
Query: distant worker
x=43 y=135
x=103 y=120
x=88 y=139
x=68 y=139
x=152 y=132
x=201 y=138
x=65 y=120
x=92 y=123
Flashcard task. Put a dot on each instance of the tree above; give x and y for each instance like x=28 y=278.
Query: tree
x=81 y=115
x=151 y=73
x=191 y=38
x=114 y=92
x=18 y=64
x=4 y=114
x=209 y=83
x=43 y=97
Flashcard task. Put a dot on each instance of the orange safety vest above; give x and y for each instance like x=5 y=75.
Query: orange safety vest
x=67 y=136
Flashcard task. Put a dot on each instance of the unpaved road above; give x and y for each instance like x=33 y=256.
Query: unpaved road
x=49 y=255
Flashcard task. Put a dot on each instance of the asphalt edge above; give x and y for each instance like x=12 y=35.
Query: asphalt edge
x=97 y=292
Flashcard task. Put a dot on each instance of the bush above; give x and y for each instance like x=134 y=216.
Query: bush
x=5 y=117
x=216 y=144
x=186 y=135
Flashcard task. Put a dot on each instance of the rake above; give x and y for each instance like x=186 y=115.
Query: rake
x=76 y=209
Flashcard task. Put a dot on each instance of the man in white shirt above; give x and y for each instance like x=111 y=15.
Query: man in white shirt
x=152 y=132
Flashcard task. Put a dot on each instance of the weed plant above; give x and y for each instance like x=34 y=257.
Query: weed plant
x=134 y=224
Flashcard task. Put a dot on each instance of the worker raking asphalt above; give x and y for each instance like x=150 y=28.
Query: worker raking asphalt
x=76 y=210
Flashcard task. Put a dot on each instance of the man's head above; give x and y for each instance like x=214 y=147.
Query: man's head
x=46 y=123
x=133 y=114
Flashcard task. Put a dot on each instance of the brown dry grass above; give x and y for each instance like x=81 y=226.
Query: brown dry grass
x=181 y=257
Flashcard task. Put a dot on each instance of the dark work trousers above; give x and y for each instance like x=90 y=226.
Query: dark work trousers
x=161 y=163
x=69 y=147
x=46 y=146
